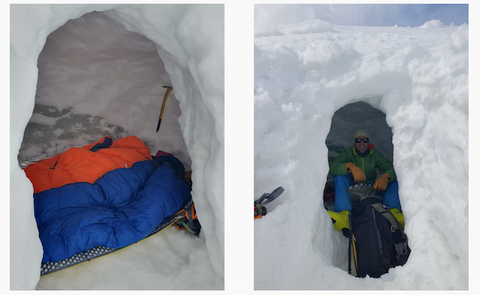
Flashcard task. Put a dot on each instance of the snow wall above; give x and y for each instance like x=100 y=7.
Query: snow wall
x=418 y=77
x=189 y=40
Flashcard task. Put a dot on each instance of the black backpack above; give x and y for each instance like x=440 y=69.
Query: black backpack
x=377 y=241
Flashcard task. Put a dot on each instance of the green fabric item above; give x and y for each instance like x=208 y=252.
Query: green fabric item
x=187 y=228
x=368 y=164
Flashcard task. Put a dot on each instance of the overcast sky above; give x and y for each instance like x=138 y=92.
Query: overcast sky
x=403 y=15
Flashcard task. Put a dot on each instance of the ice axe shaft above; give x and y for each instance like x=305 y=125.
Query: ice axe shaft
x=163 y=106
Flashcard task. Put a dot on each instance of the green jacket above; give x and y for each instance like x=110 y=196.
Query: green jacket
x=368 y=164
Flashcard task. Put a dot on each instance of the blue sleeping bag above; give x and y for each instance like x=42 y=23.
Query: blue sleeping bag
x=119 y=209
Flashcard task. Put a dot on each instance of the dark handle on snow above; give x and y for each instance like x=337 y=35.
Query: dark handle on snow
x=267 y=198
x=277 y=192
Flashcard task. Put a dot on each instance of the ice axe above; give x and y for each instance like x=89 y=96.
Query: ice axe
x=259 y=210
x=267 y=198
x=163 y=106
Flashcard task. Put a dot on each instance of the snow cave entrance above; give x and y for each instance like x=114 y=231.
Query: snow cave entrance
x=96 y=79
x=346 y=121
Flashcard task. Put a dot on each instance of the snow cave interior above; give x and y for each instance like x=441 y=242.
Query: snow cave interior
x=350 y=118
x=95 y=79
x=102 y=72
x=354 y=116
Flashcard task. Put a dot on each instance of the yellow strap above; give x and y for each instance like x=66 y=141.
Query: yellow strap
x=354 y=252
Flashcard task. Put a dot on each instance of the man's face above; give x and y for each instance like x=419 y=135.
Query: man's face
x=361 y=146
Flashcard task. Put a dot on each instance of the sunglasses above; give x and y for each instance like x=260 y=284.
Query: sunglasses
x=358 y=140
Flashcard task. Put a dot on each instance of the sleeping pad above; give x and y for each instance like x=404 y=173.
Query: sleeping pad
x=118 y=209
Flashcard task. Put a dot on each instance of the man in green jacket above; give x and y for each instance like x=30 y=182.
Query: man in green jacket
x=359 y=164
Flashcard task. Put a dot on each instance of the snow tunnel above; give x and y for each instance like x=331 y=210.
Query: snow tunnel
x=81 y=72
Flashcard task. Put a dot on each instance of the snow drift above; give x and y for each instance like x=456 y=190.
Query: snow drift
x=418 y=77
x=189 y=41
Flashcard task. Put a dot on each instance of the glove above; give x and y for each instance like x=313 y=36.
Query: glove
x=382 y=181
x=357 y=173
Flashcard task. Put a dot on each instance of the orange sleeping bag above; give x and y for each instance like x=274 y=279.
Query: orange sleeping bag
x=83 y=165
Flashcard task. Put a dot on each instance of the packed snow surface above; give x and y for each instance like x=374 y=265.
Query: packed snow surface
x=80 y=72
x=418 y=77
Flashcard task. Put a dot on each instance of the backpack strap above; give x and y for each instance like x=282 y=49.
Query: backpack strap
x=382 y=209
x=351 y=247
x=401 y=248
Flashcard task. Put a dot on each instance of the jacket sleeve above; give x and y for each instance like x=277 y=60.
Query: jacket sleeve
x=337 y=166
x=384 y=165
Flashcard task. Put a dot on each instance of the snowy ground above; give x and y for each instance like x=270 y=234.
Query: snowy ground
x=170 y=260
x=418 y=77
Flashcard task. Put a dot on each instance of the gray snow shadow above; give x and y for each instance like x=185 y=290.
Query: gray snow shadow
x=51 y=131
